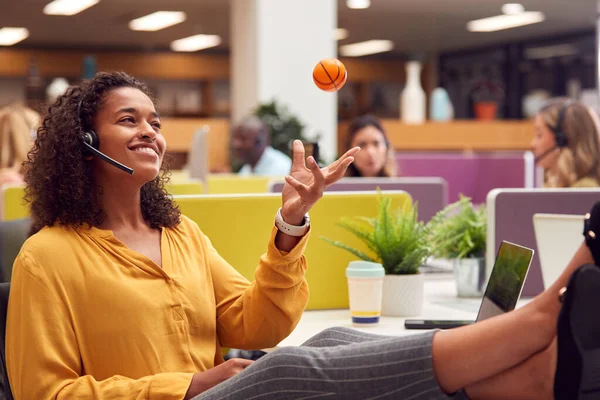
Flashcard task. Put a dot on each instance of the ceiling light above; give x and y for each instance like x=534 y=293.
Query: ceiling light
x=340 y=34
x=366 y=48
x=559 y=50
x=500 y=22
x=157 y=21
x=195 y=43
x=68 y=7
x=358 y=4
x=512 y=8
x=10 y=36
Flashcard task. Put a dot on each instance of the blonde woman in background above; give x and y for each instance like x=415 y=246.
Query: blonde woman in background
x=567 y=144
x=17 y=130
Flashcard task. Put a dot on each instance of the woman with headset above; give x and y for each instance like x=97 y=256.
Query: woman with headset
x=119 y=296
x=567 y=144
x=376 y=158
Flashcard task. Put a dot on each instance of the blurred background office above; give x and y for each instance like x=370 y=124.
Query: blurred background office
x=446 y=97
x=464 y=78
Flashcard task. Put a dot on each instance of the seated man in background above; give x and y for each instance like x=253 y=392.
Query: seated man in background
x=250 y=143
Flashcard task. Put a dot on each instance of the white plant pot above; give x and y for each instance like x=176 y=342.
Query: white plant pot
x=470 y=276
x=402 y=295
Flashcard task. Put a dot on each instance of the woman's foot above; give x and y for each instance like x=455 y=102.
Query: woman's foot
x=578 y=363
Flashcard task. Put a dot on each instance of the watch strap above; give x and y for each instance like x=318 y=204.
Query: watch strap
x=291 y=230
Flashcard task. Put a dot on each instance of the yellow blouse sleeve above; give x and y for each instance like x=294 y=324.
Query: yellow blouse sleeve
x=43 y=359
x=259 y=314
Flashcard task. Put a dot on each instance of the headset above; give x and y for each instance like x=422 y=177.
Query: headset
x=559 y=134
x=560 y=137
x=91 y=144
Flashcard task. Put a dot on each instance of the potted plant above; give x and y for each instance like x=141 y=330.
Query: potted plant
x=458 y=233
x=487 y=94
x=284 y=126
x=398 y=241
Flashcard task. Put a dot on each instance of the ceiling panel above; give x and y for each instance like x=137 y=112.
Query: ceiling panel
x=413 y=25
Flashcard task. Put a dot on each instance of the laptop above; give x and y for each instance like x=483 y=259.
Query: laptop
x=558 y=237
x=501 y=293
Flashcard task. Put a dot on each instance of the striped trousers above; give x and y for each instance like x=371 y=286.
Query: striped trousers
x=340 y=363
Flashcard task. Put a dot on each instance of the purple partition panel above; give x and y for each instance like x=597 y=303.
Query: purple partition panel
x=472 y=174
x=513 y=211
x=430 y=193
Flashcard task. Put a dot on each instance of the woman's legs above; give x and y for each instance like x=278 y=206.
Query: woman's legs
x=388 y=368
x=340 y=336
x=533 y=379
x=467 y=355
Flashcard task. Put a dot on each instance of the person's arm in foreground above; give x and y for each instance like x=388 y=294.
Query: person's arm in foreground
x=264 y=313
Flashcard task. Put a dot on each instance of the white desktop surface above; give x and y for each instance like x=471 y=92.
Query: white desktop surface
x=441 y=302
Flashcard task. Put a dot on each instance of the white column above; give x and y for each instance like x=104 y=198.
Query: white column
x=274 y=46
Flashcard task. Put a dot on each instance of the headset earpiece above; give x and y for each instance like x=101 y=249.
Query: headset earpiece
x=559 y=134
x=561 y=140
x=90 y=138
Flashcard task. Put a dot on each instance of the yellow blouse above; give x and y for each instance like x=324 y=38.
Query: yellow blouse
x=90 y=318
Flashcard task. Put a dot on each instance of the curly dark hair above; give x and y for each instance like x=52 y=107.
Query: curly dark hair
x=60 y=183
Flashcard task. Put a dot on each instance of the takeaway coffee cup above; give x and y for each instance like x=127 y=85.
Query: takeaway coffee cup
x=365 y=287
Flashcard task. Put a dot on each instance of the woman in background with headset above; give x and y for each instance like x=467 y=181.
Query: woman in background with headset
x=567 y=144
x=376 y=158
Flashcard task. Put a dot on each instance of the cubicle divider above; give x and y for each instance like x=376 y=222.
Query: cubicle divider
x=239 y=227
x=235 y=184
x=472 y=174
x=191 y=186
x=14 y=207
x=13 y=204
x=510 y=217
x=430 y=193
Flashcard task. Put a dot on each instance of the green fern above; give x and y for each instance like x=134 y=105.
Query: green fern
x=352 y=250
x=458 y=231
x=395 y=238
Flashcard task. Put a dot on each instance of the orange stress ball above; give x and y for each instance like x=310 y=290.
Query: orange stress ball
x=330 y=74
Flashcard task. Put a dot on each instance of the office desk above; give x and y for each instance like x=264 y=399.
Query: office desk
x=440 y=303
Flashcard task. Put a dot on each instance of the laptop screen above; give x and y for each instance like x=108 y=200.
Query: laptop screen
x=506 y=281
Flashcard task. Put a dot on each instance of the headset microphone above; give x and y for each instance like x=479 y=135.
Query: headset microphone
x=544 y=154
x=91 y=149
x=92 y=144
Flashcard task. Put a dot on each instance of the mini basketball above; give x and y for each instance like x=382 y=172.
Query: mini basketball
x=330 y=75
